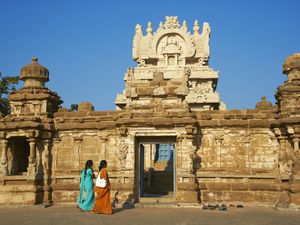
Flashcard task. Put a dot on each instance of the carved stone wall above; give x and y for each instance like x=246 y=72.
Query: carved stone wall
x=247 y=156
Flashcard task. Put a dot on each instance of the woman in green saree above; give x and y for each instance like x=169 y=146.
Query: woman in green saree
x=86 y=185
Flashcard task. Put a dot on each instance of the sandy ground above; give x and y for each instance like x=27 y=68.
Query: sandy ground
x=66 y=214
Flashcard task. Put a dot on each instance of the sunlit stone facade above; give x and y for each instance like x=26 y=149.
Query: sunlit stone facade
x=170 y=139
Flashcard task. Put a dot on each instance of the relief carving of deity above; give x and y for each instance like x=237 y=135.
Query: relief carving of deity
x=123 y=151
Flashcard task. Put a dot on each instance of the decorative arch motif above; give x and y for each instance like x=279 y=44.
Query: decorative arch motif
x=186 y=42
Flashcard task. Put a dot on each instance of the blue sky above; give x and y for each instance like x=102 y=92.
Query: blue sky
x=87 y=45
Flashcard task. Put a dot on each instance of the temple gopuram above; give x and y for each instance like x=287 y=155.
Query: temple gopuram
x=170 y=139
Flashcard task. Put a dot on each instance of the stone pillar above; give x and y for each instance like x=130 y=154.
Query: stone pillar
x=32 y=157
x=296 y=143
x=294 y=187
x=78 y=141
x=247 y=141
x=285 y=157
x=103 y=148
x=4 y=167
x=187 y=187
x=219 y=141
x=47 y=173
x=46 y=160
x=55 y=154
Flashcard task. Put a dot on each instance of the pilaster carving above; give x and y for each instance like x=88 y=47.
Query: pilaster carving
x=4 y=167
x=32 y=157
x=78 y=142
x=286 y=154
x=123 y=151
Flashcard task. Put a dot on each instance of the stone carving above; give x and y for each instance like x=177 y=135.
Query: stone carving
x=171 y=22
x=167 y=52
x=246 y=155
x=85 y=106
x=203 y=60
x=123 y=151
x=199 y=93
x=159 y=91
x=285 y=158
x=182 y=90
x=4 y=168
x=141 y=63
x=34 y=98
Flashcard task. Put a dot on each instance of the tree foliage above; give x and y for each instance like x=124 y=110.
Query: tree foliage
x=74 y=107
x=7 y=84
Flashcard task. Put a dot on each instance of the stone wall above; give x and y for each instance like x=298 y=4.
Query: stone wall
x=229 y=156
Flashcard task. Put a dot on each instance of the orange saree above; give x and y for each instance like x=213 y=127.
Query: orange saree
x=102 y=198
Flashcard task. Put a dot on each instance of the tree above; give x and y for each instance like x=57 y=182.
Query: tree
x=74 y=107
x=7 y=84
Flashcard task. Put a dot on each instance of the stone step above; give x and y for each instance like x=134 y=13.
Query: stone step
x=167 y=205
x=157 y=200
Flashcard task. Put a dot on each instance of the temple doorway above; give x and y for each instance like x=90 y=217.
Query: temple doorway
x=19 y=153
x=157 y=167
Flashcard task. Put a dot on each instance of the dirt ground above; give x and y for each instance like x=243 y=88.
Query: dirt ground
x=66 y=214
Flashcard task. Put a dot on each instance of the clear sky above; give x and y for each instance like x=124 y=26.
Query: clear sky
x=87 y=45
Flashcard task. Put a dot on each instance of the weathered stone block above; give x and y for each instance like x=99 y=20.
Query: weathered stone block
x=218 y=186
x=187 y=186
x=259 y=123
x=233 y=123
x=162 y=121
x=294 y=188
x=64 y=196
x=263 y=187
x=211 y=196
x=208 y=123
x=187 y=197
x=184 y=120
x=295 y=198
x=239 y=186
x=229 y=116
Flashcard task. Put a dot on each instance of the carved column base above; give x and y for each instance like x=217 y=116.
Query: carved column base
x=47 y=195
x=3 y=170
x=31 y=170
x=283 y=200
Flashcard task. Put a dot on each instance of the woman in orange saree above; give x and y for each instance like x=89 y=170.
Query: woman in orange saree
x=102 y=199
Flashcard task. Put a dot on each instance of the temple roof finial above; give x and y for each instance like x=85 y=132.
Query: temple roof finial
x=149 y=28
x=184 y=26
x=196 y=27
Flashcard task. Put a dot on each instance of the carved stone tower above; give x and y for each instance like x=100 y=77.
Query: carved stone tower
x=34 y=98
x=287 y=126
x=173 y=70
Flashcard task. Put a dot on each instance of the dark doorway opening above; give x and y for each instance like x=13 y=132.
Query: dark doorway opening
x=157 y=166
x=19 y=148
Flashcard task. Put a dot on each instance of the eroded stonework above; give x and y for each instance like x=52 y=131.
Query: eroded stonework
x=169 y=109
x=172 y=65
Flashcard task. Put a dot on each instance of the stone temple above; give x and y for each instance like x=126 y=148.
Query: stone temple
x=170 y=138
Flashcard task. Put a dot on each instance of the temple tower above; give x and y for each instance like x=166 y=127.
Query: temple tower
x=173 y=70
x=26 y=138
x=34 y=98
x=287 y=126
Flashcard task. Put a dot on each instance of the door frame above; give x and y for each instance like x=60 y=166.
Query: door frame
x=152 y=139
